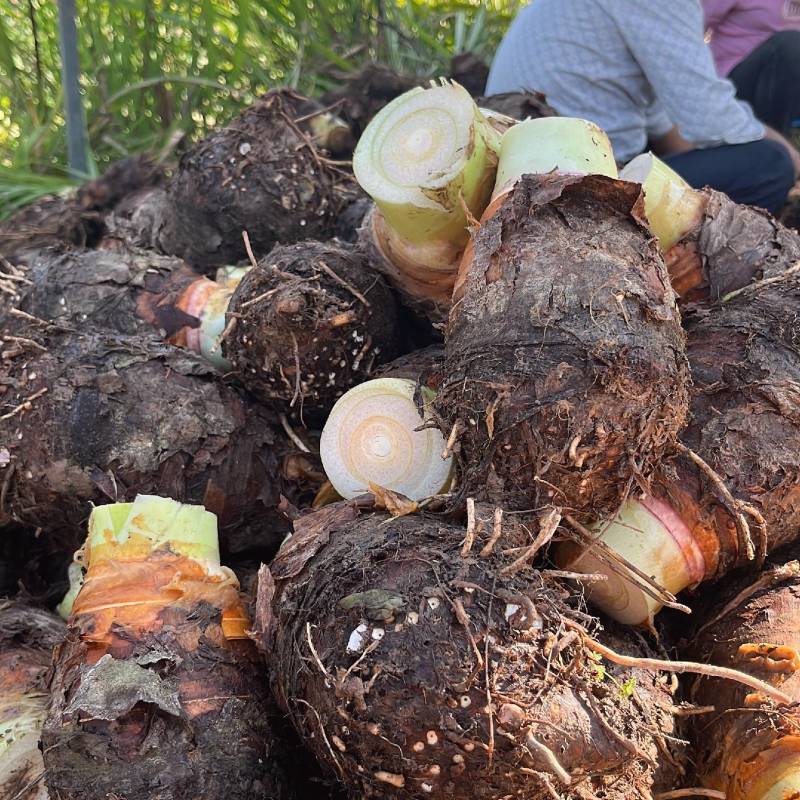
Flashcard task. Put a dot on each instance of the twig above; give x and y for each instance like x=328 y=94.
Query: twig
x=695 y=791
x=629 y=571
x=469 y=539
x=709 y=670
x=532 y=743
x=783 y=573
x=296 y=350
x=735 y=507
x=756 y=285
x=249 y=249
x=497 y=532
x=548 y=527
x=301 y=445
x=342 y=282
x=25 y=404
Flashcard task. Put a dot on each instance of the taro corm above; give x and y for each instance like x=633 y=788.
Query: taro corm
x=734 y=494
x=262 y=174
x=565 y=372
x=27 y=638
x=712 y=245
x=98 y=416
x=156 y=692
x=440 y=669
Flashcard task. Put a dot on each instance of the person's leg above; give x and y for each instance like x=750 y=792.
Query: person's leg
x=769 y=80
x=757 y=173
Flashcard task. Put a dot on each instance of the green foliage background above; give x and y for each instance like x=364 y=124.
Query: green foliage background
x=151 y=67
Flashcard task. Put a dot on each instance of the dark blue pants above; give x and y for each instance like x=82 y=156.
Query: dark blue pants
x=756 y=173
x=769 y=79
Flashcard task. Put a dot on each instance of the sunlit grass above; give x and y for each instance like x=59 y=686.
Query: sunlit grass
x=153 y=66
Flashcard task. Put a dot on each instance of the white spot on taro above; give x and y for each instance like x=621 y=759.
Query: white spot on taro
x=465 y=701
x=378 y=634
x=434 y=769
x=433 y=603
x=340 y=745
x=511 y=609
x=418 y=747
x=427 y=787
x=458 y=758
x=374 y=729
x=412 y=618
x=355 y=644
x=432 y=738
x=469 y=746
x=244 y=148
x=302 y=223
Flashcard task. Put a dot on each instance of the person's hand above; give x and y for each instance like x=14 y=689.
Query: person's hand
x=770 y=133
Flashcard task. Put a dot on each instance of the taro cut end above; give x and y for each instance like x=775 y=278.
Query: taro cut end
x=673 y=207
x=649 y=535
x=373 y=436
x=133 y=530
x=420 y=153
x=563 y=144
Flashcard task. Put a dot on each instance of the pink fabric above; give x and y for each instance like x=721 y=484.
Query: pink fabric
x=739 y=26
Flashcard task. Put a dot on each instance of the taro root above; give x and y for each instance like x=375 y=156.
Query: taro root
x=27 y=638
x=712 y=245
x=99 y=416
x=156 y=692
x=261 y=174
x=747 y=745
x=311 y=320
x=383 y=634
x=470 y=71
x=565 y=374
x=745 y=426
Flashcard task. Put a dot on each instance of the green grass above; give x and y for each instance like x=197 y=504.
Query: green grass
x=151 y=67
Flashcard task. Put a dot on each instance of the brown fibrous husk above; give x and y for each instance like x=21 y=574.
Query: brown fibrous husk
x=518 y=105
x=458 y=666
x=159 y=707
x=75 y=218
x=27 y=638
x=565 y=373
x=311 y=320
x=731 y=246
x=365 y=92
x=745 y=422
x=123 y=415
x=752 y=625
x=261 y=174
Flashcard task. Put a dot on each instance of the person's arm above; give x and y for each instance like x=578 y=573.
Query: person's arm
x=670 y=143
x=770 y=133
x=716 y=10
x=666 y=40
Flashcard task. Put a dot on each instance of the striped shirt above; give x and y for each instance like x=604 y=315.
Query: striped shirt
x=634 y=67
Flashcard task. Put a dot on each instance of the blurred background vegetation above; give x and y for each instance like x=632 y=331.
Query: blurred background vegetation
x=151 y=68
